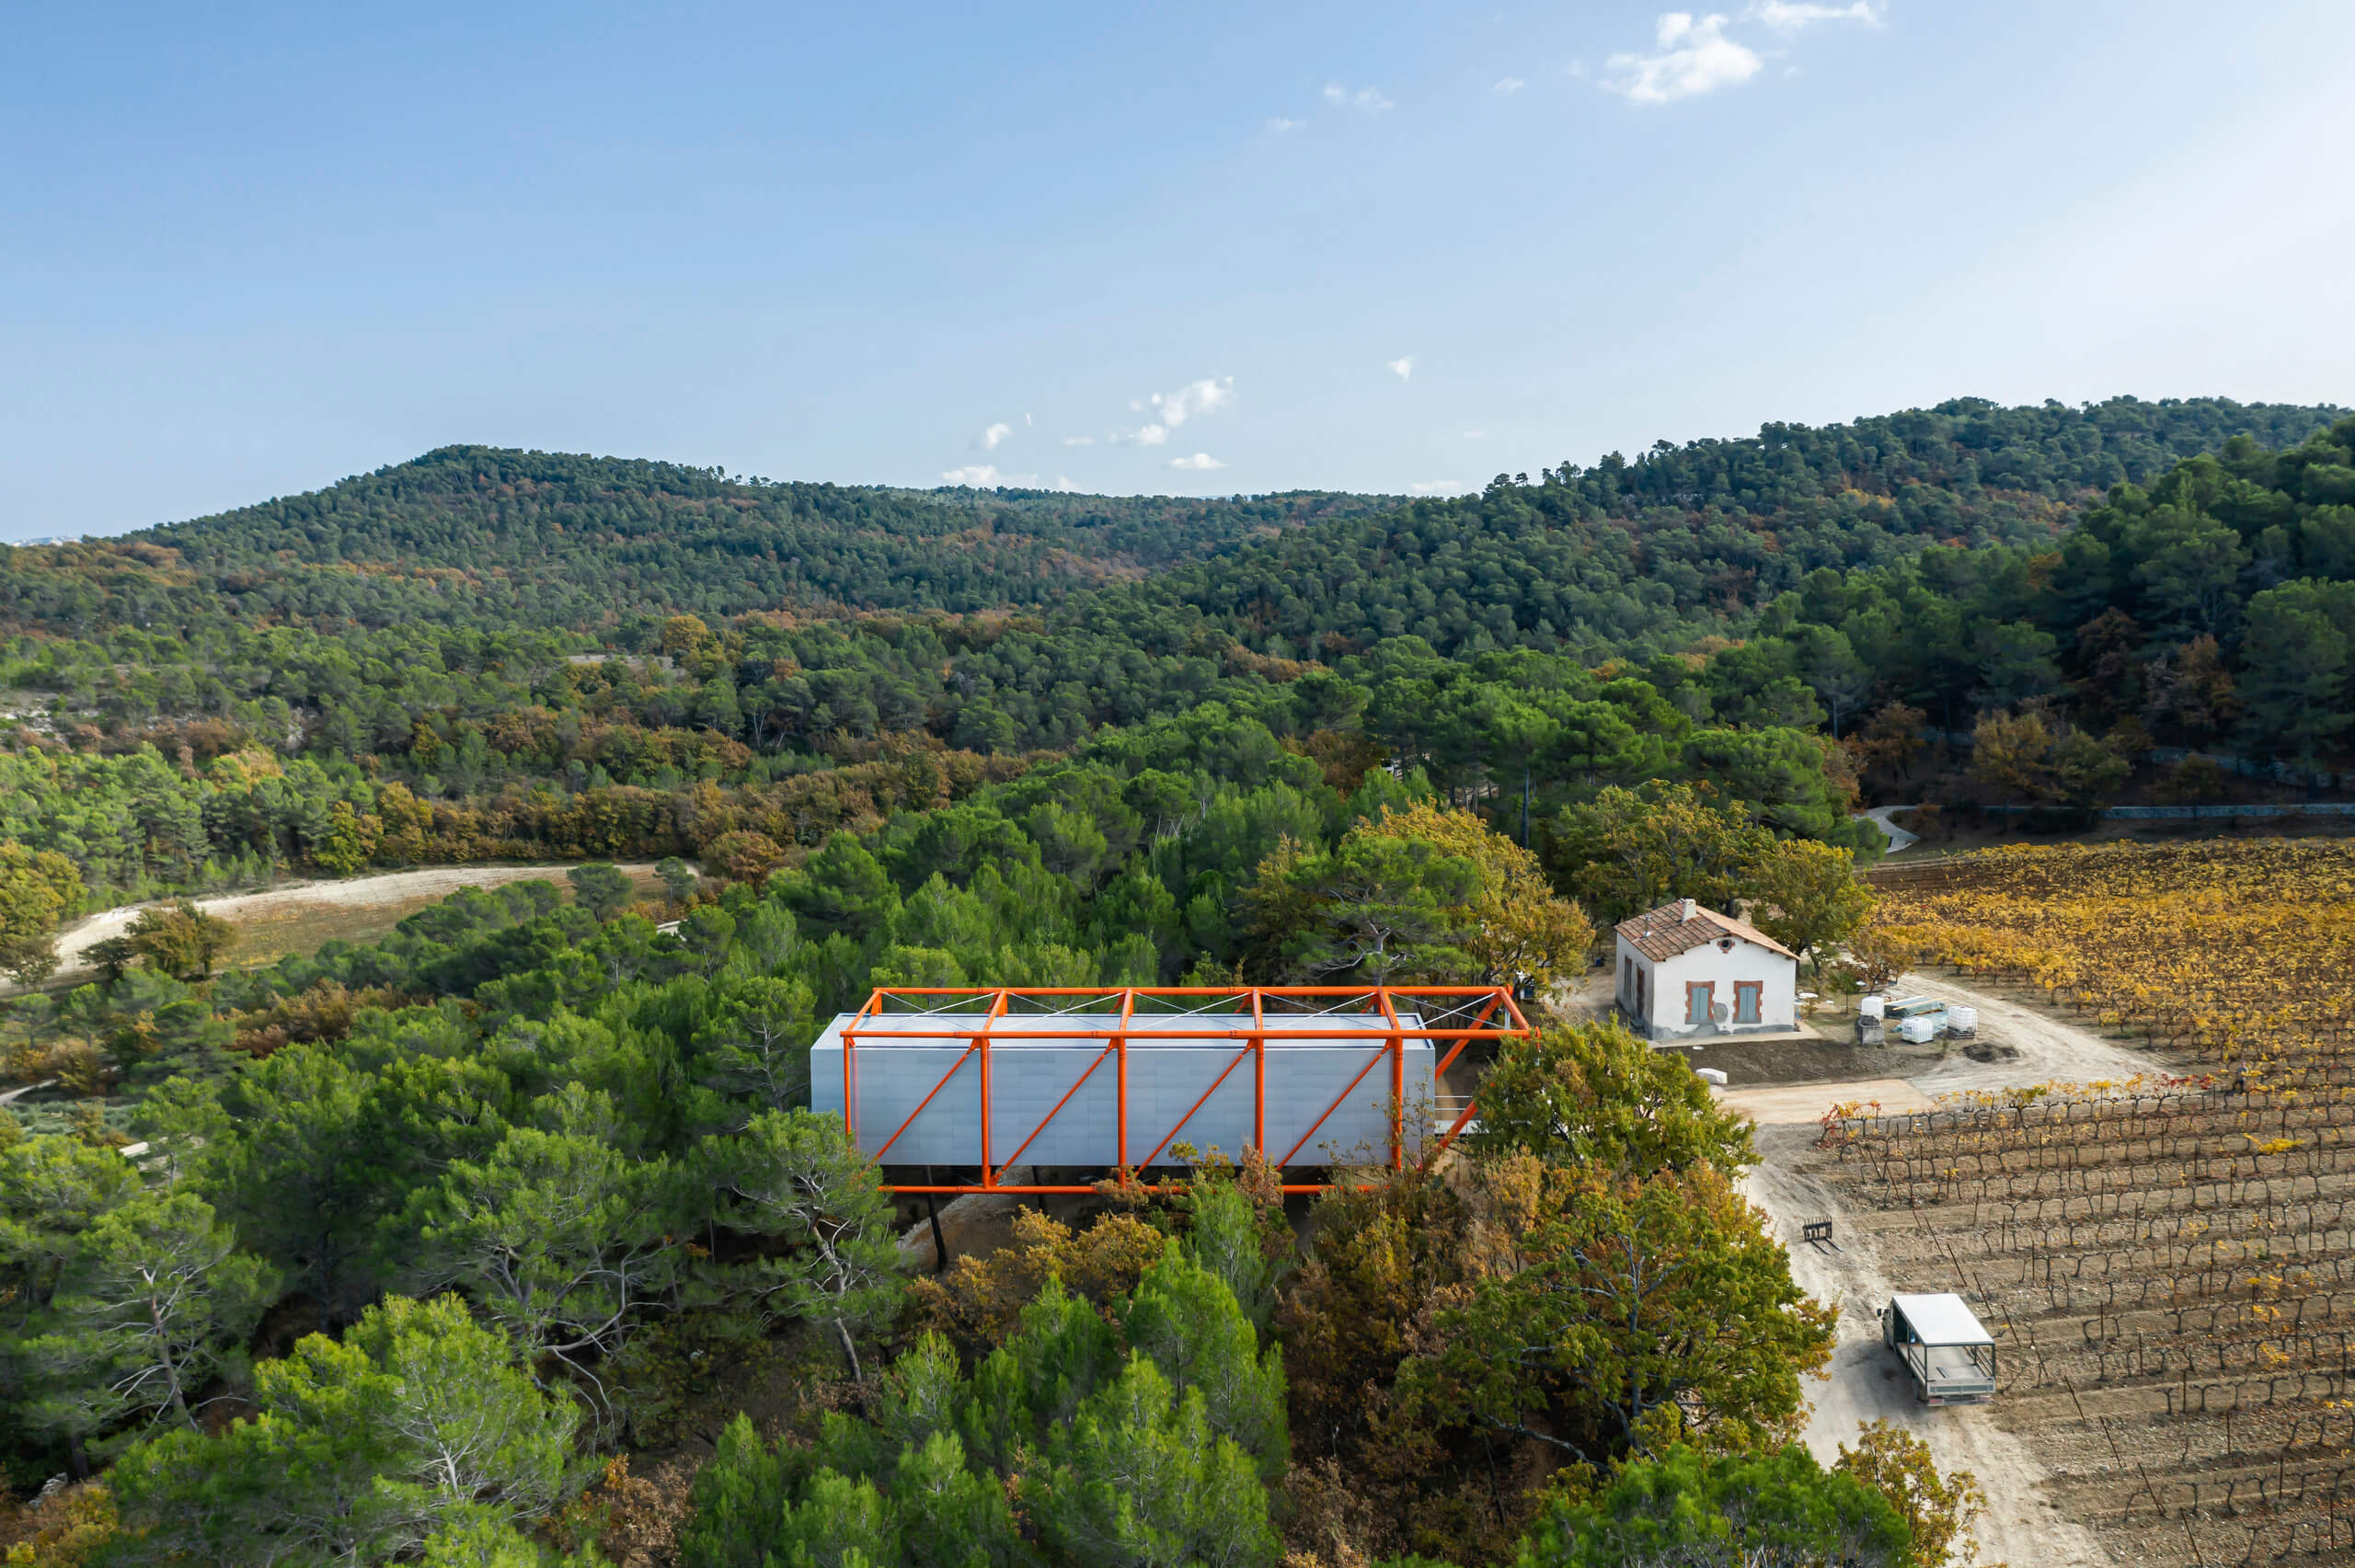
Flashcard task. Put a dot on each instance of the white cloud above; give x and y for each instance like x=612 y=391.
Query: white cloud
x=1027 y=423
x=984 y=475
x=1476 y=435
x=1199 y=462
x=1790 y=16
x=1369 y=99
x=1507 y=86
x=1172 y=409
x=1280 y=123
x=1437 y=487
x=994 y=434
x=1403 y=367
x=1695 y=57
x=1205 y=396
x=1079 y=440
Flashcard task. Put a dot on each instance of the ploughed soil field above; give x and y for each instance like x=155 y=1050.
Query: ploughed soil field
x=2170 y=1277
x=2166 y=1262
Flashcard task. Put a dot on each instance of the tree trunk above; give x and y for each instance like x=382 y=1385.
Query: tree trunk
x=843 y=1328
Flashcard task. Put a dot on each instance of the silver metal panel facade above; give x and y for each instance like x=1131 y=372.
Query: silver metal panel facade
x=1172 y=1061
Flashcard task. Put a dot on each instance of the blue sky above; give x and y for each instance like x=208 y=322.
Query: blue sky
x=245 y=250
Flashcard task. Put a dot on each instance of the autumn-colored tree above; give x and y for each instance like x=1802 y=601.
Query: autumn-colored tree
x=2190 y=693
x=978 y=1302
x=1593 y=1094
x=1806 y=897
x=742 y=855
x=183 y=940
x=2107 y=649
x=408 y=825
x=38 y=890
x=1384 y=1247
x=350 y=842
x=1940 y=1510
x=1630 y=1314
x=1520 y=932
x=1881 y=956
x=685 y=634
x=2010 y=754
x=1890 y=741
x=1632 y=849
x=1381 y=1243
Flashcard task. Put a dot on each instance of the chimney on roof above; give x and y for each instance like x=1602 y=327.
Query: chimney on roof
x=1684 y=910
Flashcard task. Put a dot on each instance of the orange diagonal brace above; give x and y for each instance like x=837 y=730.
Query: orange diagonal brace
x=1471 y=1109
x=937 y=1088
x=1240 y=1057
x=1471 y=1032
x=1015 y=1158
x=1371 y=1062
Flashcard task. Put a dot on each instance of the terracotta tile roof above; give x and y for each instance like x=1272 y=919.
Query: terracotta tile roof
x=1664 y=933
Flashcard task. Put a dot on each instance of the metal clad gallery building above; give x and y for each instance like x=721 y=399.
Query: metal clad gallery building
x=951 y=1090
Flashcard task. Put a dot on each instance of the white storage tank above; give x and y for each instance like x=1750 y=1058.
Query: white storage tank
x=1872 y=1006
x=1918 y=1031
x=1962 y=1020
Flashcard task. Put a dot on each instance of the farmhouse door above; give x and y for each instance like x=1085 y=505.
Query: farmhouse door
x=1700 y=996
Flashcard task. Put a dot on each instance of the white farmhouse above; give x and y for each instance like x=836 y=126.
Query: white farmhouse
x=1685 y=970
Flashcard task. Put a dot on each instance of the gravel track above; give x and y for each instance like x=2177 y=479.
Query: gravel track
x=392 y=888
x=2024 y=1525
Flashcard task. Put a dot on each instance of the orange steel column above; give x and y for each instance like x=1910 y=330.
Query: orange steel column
x=1397 y=1086
x=1121 y=1050
x=1259 y=1076
x=982 y=1047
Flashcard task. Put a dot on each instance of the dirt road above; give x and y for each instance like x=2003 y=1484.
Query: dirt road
x=2021 y=1044
x=392 y=888
x=1791 y=1104
x=1864 y=1383
x=1899 y=839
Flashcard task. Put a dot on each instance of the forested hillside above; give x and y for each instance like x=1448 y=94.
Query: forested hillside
x=1628 y=558
x=1866 y=565
x=481 y=538
x=2214 y=607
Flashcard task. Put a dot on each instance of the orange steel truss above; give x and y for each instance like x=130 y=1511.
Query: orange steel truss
x=1449 y=1017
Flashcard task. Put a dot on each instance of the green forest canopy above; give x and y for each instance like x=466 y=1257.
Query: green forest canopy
x=1928 y=560
x=1004 y=739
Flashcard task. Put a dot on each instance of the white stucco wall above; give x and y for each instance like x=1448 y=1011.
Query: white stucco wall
x=1665 y=995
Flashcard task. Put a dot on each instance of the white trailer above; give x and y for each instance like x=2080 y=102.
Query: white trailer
x=1940 y=1340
